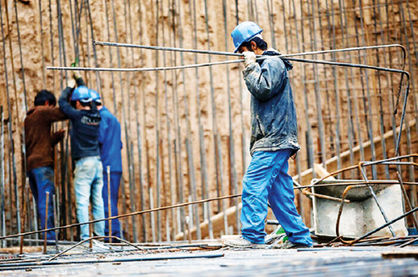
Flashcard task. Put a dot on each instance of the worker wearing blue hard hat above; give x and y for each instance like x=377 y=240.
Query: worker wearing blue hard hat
x=244 y=32
x=76 y=103
x=110 y=153
x=273 y=142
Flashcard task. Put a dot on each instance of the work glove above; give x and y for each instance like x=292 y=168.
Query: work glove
x=71 y=83
x=249 y=58
x=76 y=74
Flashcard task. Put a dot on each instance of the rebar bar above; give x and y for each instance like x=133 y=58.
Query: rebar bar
x=2 y=202
x=123 y=215
x=401 y=184
x=340 y=210
x=137 y=69
x=46 y=219
x=224 y=53
x=363 y=164
x=12 y=161
x=375 y=198
x=412 y=241
x=110 y=237
x=384 y=225
x=318 y=101
x=25 y=265
x=109 y=205
x=188 y=143
x=367 y=101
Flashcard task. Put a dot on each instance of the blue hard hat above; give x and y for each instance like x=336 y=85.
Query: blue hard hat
x=95 y=96
x=245 y=31
x=81 y=94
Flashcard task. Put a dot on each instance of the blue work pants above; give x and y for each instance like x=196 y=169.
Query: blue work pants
x=41 y=181
x=114 y=196
x=266 y=179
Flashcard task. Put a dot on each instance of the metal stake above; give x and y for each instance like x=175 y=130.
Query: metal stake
x=109 y=205
x=46 y=220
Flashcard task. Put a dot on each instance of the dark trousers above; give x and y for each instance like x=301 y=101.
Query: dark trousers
x=41 y=181
x=114 y=196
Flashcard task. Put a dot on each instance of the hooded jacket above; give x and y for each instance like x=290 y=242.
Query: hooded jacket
x=273 y=112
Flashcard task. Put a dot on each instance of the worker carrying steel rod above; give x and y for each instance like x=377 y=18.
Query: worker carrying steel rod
x=273 y=142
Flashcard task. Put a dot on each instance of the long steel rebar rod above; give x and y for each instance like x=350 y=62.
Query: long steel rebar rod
x=382 y=211
x=350 y=65
x=23 y=266
x=387 y=182
x=364 y=164
x=2 y=200
x=11 y=159
x=141 y=69
x=401 y=184
x=362 y=183
x=93 y=238
x=384 y=225
x=123 y=215
x=224 y=53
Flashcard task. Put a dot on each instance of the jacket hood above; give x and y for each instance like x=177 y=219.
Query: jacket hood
x=274 y=52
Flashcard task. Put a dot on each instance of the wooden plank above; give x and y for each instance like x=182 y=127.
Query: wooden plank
x=413 y=253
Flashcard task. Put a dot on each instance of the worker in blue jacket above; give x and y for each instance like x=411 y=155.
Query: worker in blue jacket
x=273 y=142
x=110 y=153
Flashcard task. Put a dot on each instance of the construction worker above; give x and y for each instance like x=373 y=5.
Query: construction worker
x=273 y=142
x=40 y=144
x=85 y=152
x=110 y=152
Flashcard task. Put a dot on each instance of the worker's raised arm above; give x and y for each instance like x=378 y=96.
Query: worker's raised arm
x=65 y=105
x=80 y=82
x=264 y=81
x=55 y=114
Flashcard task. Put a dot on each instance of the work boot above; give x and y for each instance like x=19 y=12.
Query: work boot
x=242 y=243
x=290 y=245
x=278 y=236
x=98 y=245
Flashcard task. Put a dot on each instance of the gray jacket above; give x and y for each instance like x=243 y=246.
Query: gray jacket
x=273 y=113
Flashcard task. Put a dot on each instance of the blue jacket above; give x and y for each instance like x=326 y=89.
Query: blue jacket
x=273 y=113
x=110 y=141
x=84 y=127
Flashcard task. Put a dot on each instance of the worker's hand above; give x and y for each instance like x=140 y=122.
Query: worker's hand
x=60 y=134
x=75 y=63
x=71 y=83
x=57 y=136
x=76 y=75
x=249 y=58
